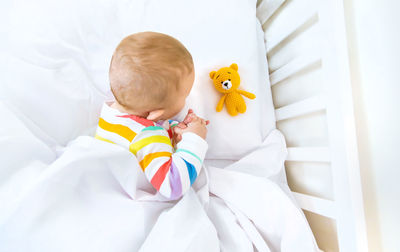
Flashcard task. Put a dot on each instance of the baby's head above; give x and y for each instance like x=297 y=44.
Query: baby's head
x=151 y=74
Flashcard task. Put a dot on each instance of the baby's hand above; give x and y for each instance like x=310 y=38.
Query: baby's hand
x=191 y=123
x=190 y=115
x=197 y=126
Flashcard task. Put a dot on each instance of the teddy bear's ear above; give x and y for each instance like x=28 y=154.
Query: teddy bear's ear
x=212 y=74
x=234 y=66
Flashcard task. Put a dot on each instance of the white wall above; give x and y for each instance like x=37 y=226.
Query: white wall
x=373 y=29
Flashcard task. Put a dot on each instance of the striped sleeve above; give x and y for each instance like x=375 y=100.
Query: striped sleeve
x=170 y=128
x=171 y=172
x=169 y=125
x=115 y=130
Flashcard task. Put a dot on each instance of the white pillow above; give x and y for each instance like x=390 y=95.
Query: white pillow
x=62 y=51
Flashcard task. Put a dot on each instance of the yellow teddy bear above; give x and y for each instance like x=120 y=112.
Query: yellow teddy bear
x=227 y=80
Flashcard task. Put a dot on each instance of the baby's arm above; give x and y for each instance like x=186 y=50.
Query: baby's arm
x=171 y=173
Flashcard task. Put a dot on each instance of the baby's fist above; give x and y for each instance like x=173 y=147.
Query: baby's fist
x=196 y=125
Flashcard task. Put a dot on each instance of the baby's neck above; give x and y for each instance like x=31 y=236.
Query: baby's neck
x=118 y=107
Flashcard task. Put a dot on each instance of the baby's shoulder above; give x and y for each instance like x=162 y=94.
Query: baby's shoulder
x=161 y=128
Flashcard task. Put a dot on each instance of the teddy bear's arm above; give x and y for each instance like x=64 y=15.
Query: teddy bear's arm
x=220 y=104
x=247 y=94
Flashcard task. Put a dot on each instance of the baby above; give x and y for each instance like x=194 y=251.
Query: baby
x=151 y=74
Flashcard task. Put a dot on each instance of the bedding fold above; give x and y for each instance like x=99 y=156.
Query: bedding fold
x=94 y=197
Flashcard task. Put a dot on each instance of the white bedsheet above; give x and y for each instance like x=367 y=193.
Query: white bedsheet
x=57 y=72
x=94 y=197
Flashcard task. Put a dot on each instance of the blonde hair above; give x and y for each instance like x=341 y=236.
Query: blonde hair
x=145 y=67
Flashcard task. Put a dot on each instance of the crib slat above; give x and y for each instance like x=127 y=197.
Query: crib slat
x=287 y=31
x=265 y=9
x=297 y=13
x=312 y=104
x=316 y=205
x=308 y=154
x=294 y=66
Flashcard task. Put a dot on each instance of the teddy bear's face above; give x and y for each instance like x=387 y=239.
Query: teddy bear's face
x=226 y=79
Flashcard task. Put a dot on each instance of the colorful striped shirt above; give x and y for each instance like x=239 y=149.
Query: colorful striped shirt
x=170 y=168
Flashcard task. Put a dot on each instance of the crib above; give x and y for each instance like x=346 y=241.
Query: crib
x=306 y=49
x=309 y=74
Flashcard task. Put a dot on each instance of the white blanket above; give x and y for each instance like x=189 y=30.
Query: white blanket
x=94 y=197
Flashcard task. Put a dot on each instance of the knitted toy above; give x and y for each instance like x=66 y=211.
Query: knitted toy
x=227 y=80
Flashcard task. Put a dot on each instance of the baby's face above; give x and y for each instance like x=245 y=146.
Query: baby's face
x=179 y=98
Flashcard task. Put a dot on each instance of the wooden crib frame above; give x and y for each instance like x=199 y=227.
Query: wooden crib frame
x=309 y=75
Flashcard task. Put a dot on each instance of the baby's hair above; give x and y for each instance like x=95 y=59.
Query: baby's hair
x=144 y=67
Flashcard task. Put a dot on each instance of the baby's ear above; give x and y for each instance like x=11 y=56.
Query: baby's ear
x=155 y=115
x=212 y=74
x=234 y=66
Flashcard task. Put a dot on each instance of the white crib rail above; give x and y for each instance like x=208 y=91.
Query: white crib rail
x=309 y=75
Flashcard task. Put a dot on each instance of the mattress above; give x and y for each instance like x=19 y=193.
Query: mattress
x=63 y=50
